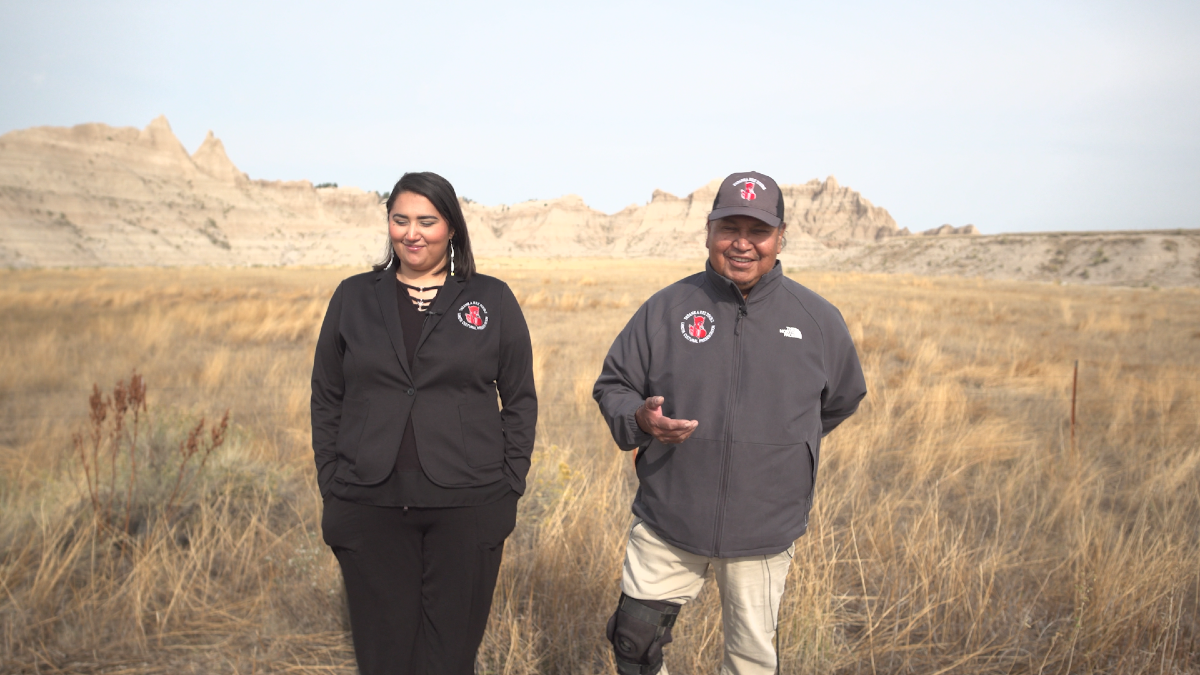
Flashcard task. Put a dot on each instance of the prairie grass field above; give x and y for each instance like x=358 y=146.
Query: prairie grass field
x=957 y=527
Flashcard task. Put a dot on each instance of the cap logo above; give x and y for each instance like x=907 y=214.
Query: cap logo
x=748 y=184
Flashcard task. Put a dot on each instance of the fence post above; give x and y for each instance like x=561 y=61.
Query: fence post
x=1074 y=388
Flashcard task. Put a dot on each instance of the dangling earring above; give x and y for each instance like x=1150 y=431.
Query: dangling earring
x=452 y=257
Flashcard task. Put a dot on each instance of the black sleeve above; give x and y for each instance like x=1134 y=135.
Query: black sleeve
x=518 y=396
x=845 y=385
x=328 y=387
x=621 y=388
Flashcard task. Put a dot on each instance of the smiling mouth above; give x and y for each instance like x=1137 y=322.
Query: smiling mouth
x=739 y=260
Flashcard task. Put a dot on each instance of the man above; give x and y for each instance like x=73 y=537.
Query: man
x=725 y=381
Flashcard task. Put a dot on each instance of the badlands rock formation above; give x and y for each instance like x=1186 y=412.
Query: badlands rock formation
x=1138 y=258
x=671 y=226
x=949 y=229
x=98 y=195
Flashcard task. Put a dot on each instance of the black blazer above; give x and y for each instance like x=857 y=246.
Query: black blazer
x=474 y=344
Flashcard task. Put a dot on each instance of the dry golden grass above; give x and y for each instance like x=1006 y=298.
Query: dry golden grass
x=954 y=530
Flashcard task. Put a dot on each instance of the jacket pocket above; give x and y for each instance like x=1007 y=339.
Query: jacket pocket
x=770 y=488
x=482 y=435
x=350 y=429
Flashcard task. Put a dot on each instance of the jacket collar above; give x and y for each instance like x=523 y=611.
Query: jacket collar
x=443 y=304
x=385 y=293
x=725 y=286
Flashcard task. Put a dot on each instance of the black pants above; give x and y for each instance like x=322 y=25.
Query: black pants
x=419 y=581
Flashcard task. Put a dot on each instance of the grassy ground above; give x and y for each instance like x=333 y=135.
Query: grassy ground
x=954 y=529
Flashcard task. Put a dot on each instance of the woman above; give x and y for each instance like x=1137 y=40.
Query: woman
x=419 y=471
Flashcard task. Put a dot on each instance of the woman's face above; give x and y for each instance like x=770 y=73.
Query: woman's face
x=419 y=233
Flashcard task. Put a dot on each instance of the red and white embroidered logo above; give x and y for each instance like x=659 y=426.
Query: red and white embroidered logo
x=748 y=187
x=698 y=326
x=473 y=315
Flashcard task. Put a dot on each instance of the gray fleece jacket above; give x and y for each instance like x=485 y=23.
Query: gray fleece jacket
x=766 y=378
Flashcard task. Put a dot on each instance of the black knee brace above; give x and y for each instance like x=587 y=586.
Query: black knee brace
x=638 y=630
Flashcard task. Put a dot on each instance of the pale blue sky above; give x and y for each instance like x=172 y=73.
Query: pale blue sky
x=1014 y=116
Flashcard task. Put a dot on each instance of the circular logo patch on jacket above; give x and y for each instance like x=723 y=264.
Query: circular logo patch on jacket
x=697 y=326
x=473 y=316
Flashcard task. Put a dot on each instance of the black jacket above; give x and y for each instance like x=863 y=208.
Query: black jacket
x=474 y=345
x=766 y=378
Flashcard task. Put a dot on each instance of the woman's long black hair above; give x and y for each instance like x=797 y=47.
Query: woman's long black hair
x=441 y=194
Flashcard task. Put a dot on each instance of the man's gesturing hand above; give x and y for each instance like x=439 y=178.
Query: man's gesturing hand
x=666 y=430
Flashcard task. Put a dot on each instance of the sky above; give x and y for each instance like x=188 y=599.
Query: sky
x=1012 y=116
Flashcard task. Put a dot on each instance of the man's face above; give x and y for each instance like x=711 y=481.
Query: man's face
x=743 y=249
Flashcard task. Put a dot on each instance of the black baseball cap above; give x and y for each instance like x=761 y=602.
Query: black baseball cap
x=749 y=193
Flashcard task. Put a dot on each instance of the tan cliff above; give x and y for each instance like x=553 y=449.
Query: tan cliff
x=99 y=195
x=1129 y=258
x=673 y=227
x=949 y=230
x=95 y=195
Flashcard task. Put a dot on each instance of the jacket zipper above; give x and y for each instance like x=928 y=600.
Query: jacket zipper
x=727 y=442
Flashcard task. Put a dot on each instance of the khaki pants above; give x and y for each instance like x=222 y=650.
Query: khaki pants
x=750 y=587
